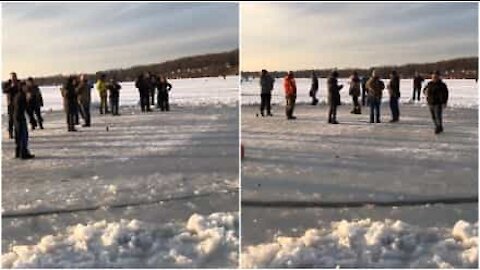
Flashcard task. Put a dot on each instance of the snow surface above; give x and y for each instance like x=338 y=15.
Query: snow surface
x=194 y=91
x=370 y=244
x=153 y=169
x=463 y=93
x=132 y=243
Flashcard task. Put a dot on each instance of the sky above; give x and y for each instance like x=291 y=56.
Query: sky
x=293 y=36
x=55 y=38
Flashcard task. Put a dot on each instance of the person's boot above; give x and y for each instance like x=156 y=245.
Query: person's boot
x=17 y=152
x=335 y=122
x=437 y=130
x=262 y=114
x=41 y=125
x=27 y=156
x=269 y=114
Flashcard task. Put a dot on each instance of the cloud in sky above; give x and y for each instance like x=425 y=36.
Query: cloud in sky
x=45 y=39
x=283 y=36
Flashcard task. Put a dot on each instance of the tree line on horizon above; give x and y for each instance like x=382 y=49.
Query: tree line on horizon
x=205 y=65
x=459 y=68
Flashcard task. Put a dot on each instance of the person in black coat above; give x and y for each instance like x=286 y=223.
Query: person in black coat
x=163 y=87
x=35 y=103
x=20 y=122
x=266 y=88
x=436 y=92
x=143 y=85
x=10 y=88
x=314 y=89
x=333 y=97
x=417 y=86
x=114 y=94
x=364 y=90
x=69 y=93
x=394 y=91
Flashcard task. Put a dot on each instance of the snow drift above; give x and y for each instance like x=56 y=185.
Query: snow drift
x=131 y=243
x=370 y=244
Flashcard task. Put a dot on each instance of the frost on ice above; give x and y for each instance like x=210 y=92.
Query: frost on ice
x=132 y=243
x=368 y=244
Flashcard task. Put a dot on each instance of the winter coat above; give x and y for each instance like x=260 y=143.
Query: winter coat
x=114 y=89
x=375 y=87
x=10 y=89
x=314 y=87
x=102 y=88
x=417 y=82
x=290 y=86
x=163 y=88
x=19 y=108
x=394 y=87
x=84 y=92
x=34 y=96
x=266 y=84
x=436 y=92
x=143 y=85
x=333 y=91
x=354 y=86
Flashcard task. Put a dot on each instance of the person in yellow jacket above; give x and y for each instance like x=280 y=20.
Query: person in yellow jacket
x=103 y=93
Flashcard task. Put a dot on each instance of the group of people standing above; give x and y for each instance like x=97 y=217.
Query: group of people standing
x=23 y=98
x=369 y=88
x=146 y=84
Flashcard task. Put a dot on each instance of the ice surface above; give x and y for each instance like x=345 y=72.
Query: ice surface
x=132 y=243
x=370 y=244
x=463 y=93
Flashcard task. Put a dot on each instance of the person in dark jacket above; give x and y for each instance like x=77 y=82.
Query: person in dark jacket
x=355 y=92
x=266 y=86
x=394 y=91
x=436 y=92
x=314 y=89
x=114 y=95
x=164 y=88
x=143 y=86
x=364 y=90
x=333 y=97
x=84 y=97
x=35 y=103
x=10 y=89
x=417 y=86
x=20 y=122
x=69 y=93
x=154 y=80
x=375 y=88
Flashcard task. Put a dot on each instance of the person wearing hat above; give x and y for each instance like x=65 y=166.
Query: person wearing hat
x=290 y=95
x=436 y=92
x=375 y=88
x=333 y=97
x=394 y=91
x=266 y=86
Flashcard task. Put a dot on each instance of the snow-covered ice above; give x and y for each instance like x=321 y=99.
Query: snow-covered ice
x=462 y=92
x=158 y=168
x=370 y=244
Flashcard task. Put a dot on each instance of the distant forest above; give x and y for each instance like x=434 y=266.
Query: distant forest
x=460 y=68
x=206 y=65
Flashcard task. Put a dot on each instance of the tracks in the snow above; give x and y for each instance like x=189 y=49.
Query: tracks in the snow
x=36 y=213
x=358 y=204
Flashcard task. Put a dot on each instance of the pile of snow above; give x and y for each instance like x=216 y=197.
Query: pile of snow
x=194 y=91
x=463 y=93
x=368 y=244
x=131 y=243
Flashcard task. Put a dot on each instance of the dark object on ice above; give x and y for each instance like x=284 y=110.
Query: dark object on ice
x=314 y=89
x=164 y=88
x=417 y=86
x=375 y=88
x=290 y=94
x=333 y=97
x=355 y=92
x=394 y=91
x=436 y=92
x=69 y=93
x=35 y=103
x=266 y=85
x=20 y=122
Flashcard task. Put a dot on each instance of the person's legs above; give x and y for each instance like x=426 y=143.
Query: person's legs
x=31 y=117
x=377 y=110
x=167 y=102
x=152 y=96
x=10 y=121
x=288 y=107
x=162 y=102
x=431 y=108
x=372 y=110
x=334 y=113
x=418 y=93
x=38 y=114
x=363 y=96
x=263 y=101
x=269 y=104
x=439 y=116
x=293 y=107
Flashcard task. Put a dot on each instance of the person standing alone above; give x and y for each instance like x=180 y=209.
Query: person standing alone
x=20 y=122
x=266 y=85
x=394 y=91
x=35 y=103
x=417 y=86
x=290 y=95
x=355 y=92
x=436 y=92
x=314 y=89
x=69 y=93
x=333 y=97
x=103 y=93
